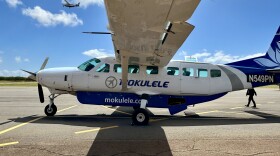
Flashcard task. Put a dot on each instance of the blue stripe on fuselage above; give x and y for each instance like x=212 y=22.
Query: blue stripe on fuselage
x=131 y=99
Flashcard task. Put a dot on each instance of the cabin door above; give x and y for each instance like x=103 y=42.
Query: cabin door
x=195 y=79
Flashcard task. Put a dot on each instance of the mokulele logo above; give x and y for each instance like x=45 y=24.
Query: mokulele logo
x=147 y=83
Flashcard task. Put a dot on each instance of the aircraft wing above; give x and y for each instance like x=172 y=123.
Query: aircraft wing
x=67 y=2
x=149 y=32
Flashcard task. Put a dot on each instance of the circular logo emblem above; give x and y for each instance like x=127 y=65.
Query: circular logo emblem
x=111 y=82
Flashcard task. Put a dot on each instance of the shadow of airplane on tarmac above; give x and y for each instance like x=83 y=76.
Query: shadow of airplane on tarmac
x=140 y=140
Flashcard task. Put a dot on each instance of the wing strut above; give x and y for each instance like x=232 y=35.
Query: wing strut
x=124 y=62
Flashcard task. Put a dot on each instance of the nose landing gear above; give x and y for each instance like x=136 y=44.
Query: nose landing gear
x=51 y=109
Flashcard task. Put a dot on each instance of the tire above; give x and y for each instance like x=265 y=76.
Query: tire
x=51 y=111
x=140 y=117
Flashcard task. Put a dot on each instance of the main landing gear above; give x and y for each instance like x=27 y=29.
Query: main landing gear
x=51 y=109
x=140 y=115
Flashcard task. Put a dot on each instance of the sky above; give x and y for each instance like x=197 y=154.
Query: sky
x=30 y=31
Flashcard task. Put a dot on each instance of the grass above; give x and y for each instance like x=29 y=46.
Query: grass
x=17 y=84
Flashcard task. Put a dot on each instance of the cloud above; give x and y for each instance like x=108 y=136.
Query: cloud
x=1 y=60
x=7 y=73
x=18 y=59
x=14 y=3
x=219 y=57
x=46 y=18
x=183 y=53
x=97 y=53
x=86 y=3
x=199 y=55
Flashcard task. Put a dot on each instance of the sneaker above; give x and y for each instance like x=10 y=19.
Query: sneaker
x=247 y=105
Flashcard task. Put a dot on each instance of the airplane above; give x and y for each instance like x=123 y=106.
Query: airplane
x=146 y=35
x=69 y=5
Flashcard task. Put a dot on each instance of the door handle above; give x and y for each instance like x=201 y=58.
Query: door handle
x=96 y=76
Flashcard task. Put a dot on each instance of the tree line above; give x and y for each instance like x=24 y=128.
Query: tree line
x=17 y=78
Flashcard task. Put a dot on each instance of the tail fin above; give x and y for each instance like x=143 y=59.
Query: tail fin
x=269 y=61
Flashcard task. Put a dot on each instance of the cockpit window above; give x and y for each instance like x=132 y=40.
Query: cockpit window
x=90 y=64
x=105 y=68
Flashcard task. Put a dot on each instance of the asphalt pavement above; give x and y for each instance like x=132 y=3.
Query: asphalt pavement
x=221 y=127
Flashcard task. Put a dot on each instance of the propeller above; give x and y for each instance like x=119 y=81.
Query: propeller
x=33 y=77
x=41 y=93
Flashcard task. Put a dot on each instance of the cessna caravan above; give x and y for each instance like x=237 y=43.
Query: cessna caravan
x=146 y=34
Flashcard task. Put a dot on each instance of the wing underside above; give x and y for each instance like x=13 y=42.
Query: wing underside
x=149 y=32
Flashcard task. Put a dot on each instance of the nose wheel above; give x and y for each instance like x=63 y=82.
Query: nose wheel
x=51 y=109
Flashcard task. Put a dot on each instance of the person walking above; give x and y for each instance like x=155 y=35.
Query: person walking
x=251 y=93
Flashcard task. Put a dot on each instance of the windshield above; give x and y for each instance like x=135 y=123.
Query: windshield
x=90 y=64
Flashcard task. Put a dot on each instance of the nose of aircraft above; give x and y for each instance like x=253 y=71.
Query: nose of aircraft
x=56 y=78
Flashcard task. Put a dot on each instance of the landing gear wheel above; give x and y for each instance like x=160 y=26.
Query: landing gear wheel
x=50 y=111
x=140 y=117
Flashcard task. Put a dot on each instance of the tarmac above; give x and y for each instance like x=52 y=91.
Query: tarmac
x=222 y=127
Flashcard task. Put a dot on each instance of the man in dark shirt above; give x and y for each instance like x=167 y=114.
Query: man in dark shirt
x=251 y=93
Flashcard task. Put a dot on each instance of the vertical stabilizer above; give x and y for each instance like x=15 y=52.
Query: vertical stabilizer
x=272 y=57
x=270 y=60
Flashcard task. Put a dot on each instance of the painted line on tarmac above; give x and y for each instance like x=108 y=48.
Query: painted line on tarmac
x=67 y=108
x=96 y=129
x=117 y=110
x=236 y=108
x=214 y=111
x=161 y=119
x=269 y=102
x=9 y=143
x=155 y=120
x=152 y=120
x=25 y=123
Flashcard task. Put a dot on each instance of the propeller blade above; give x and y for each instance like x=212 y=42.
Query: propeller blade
x=31 y=73
x=44 y=64
x=98 y=33
x=41 y=94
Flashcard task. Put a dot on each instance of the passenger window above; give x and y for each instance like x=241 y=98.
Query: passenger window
x=133 y=69
x=172 y=71
x=118 y=68
x=105 y=68
x=215 y=73
x=202 y=73
x=188 y=72
x=152 y=70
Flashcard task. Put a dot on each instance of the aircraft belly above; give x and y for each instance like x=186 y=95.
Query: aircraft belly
x=131 y=99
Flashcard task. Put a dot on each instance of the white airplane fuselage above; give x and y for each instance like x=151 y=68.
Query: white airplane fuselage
x=190 y=84
x=71 y=79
